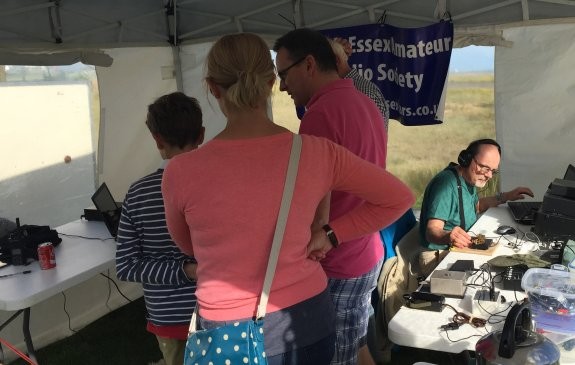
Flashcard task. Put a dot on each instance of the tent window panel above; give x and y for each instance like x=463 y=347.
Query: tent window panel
x=48 y=142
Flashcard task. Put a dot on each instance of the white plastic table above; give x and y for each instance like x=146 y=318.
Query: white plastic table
x=87 y=248
x=421 y=329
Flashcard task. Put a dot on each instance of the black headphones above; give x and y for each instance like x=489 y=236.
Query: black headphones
x=466 y=155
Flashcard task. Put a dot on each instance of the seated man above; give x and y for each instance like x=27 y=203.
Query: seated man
x=451 y=204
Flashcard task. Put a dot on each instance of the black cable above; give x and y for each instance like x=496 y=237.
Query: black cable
x=109 y=294
x=87 y=238
x=461 y=339
x=117 y=287
x=462 y=318
x=68 y=315
x=498 y=314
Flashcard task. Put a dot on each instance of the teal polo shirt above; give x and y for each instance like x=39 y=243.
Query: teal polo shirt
x=441 y=201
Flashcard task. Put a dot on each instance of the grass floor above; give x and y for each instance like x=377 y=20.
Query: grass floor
x=121 y=338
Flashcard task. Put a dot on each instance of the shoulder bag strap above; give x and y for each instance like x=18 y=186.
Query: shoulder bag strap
x=459 y=188
x=281 y=223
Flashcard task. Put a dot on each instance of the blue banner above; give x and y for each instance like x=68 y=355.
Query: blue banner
x=409 y=65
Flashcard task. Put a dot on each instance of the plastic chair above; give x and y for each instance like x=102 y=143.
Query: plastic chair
x=392 y=234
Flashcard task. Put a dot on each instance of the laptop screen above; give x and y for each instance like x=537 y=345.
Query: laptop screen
x=103 y=199
x=105 y=203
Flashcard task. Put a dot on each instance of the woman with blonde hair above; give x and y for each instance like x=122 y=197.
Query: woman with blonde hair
x=222 y=202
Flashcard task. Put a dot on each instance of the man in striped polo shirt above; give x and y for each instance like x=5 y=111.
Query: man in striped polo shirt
x=145 y=251
x=342 y=50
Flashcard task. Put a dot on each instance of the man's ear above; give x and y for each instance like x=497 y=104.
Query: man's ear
x=201 y=136
x=310 y=64
x=159 y=141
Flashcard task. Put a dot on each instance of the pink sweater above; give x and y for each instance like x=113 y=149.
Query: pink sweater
x=342 y=114
x=222 y=202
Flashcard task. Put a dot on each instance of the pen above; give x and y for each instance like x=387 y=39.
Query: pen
x=16 y=273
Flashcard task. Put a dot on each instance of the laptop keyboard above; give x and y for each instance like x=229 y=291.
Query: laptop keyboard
x=524 y=210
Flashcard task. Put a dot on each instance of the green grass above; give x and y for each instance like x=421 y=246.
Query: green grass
x=120 y=337
x=416 y=154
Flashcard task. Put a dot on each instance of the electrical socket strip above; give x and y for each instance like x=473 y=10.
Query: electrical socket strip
x=483 y=306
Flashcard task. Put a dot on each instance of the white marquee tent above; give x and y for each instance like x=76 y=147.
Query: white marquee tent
x=146 y=48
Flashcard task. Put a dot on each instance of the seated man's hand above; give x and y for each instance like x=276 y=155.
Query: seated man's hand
x=459 y=238
x=518 y=193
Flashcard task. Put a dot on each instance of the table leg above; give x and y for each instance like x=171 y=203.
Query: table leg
x=7 y=322
x=465 y=358
x=27 y=337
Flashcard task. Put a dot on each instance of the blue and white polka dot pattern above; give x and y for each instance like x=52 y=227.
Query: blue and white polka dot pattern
x=235 y=344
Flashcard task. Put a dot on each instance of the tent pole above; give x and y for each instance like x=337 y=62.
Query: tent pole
x=178 y=68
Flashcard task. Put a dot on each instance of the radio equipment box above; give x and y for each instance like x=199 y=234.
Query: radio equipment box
x=450 y=283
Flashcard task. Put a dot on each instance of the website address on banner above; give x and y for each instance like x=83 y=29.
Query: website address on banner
x=420 y=111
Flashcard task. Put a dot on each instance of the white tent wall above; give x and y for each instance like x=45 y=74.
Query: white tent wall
x=534 y=108
x=193 y=73
x=126 y=150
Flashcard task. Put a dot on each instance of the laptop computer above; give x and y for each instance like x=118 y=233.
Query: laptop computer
x=107 y=206
x=524 y=212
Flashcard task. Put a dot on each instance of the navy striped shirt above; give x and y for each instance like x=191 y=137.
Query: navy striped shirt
x=146 y=254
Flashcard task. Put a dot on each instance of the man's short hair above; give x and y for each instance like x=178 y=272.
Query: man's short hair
x=177 y=118
x=302 y=42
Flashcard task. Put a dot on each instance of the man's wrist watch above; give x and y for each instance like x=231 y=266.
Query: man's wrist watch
x=331 y=235
x=499 y=197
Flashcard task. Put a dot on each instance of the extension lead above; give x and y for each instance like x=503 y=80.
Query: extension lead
x=486 y=302
x=16 y=273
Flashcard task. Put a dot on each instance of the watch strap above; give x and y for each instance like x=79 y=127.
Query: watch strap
x=331 y=235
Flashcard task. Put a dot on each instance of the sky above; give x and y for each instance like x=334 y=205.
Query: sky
x=472 y=59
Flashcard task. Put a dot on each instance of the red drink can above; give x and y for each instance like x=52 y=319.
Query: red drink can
x=46 y=256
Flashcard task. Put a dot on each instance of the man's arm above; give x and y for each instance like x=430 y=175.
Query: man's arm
x=503 y=197
x=435 y=233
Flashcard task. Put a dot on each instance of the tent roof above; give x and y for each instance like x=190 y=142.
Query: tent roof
x=58 y=24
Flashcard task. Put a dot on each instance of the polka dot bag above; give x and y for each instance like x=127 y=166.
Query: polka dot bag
x=242 y=342
x=236 y=343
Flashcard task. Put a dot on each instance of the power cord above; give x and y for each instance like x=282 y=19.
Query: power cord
x=86 y=238
x=461 y=318
x=68 y=315
x=117 y=287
